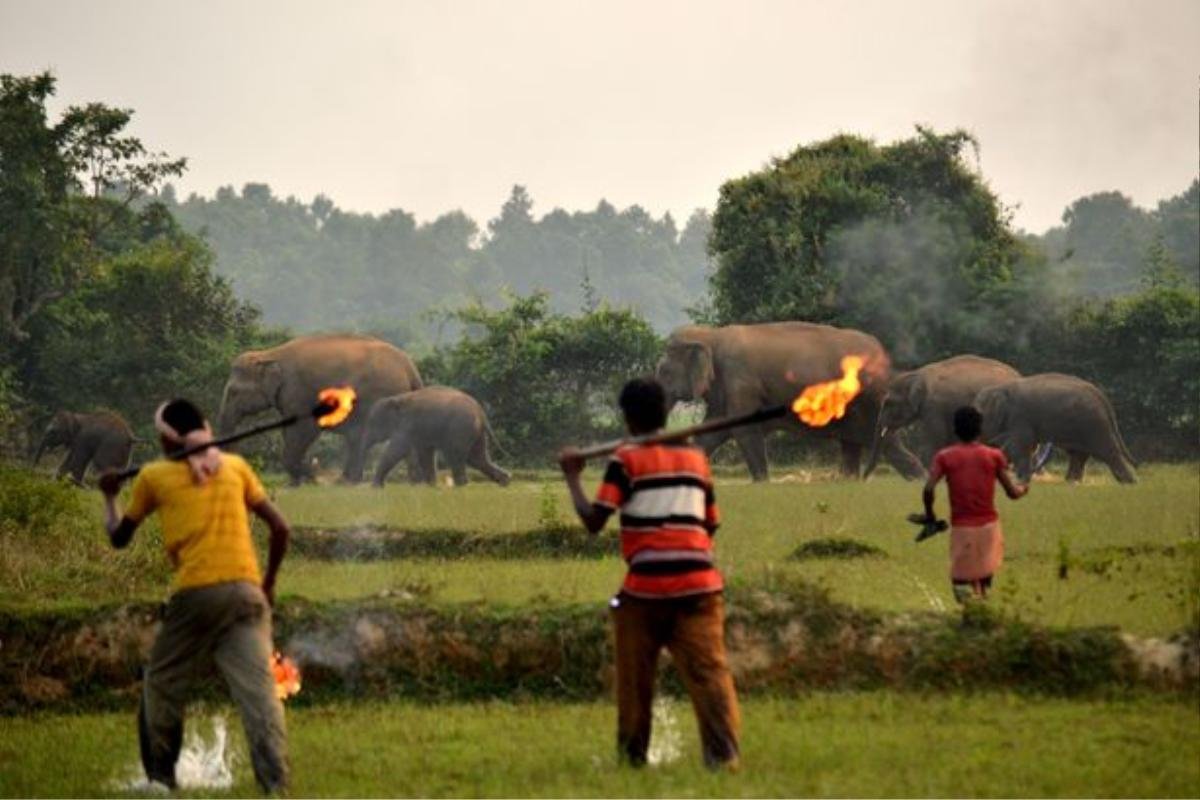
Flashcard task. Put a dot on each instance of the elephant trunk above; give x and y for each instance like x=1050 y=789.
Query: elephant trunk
x=873 y=459
x=41 y=448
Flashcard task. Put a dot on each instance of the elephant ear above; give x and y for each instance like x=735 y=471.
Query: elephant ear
x=917 y=390
x=699 y=368
x=269 y=376
x=993 y=404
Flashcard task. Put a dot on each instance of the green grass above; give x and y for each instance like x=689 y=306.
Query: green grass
x=1130 y=551
x=831 y=745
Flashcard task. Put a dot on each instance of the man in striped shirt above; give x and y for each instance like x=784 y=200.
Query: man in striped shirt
x=671 y=596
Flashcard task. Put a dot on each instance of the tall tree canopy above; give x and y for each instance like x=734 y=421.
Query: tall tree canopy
x=905 y=240
x=64 y=187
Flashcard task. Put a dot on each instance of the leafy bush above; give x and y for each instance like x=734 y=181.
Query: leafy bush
x=546 y=379
x=51 y=538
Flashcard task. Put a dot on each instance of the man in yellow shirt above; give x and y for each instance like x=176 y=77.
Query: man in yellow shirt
x=219 y=609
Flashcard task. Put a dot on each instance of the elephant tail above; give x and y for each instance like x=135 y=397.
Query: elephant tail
x=491 y=434
x=1112 y=418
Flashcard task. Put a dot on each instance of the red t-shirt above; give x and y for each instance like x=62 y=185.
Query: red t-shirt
x=970 y=471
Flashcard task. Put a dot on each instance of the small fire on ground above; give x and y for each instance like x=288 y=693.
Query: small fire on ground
x=339 y=402
x=287 y=676
x=822 y=403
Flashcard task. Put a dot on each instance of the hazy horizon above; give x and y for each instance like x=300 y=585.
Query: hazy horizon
x=433 y=107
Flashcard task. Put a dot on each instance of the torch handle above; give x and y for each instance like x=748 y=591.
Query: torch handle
x=180 y=455
x=712 y=425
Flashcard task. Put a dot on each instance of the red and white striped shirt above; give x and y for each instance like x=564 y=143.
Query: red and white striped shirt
x=668 y=516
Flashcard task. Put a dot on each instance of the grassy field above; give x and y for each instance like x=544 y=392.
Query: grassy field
x=1095 y=554
x=1130 y=554
x=857 y=745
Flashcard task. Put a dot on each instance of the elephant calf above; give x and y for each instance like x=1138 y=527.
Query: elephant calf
x=102 y=440
x=429 y=420
x=1060 y=409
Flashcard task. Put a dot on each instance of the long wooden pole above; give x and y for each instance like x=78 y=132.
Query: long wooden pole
x=710 y=426
x=319 y=411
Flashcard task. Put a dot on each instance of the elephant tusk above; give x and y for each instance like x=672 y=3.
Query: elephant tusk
x=883 y=431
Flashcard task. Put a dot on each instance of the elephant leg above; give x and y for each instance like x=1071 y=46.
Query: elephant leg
x=753 y=445
x=64 y=467
x=426 y=466
x=395 y=452
x=902 y=459
x=851 y=458
x=75 y=464
x=458 y=469
x=478 y=458
x=352 y=463
x=296 y=441
x=1076 y=462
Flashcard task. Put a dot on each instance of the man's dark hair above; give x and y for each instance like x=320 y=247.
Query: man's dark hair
x=183 y=416
x=968 y=423
x=645 y=405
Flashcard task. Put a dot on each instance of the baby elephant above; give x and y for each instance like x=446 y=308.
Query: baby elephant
x=1060 y=409
x=103 y=440
x=436 y=418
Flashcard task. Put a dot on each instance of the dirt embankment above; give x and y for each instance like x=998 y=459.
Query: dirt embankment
x=783 y=641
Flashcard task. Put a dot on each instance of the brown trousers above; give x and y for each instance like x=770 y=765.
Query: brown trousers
x=229 y=624
x=693 y=630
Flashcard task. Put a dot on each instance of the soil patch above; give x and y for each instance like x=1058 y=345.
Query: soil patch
x=787 y=641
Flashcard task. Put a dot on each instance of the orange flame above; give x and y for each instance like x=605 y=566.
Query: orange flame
x=340 y=402
x=822 y=403
x=287 y=676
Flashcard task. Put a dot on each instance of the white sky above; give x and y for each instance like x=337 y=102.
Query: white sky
x=437 y=105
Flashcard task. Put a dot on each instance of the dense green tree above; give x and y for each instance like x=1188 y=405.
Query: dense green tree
x=64 y=188
x=905 y=240
x=546 y=379
x=155 y=322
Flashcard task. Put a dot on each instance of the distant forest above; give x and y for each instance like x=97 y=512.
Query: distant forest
x=311 y=266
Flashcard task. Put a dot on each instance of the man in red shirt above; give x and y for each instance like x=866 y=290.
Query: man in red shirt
x=671 y=596
x=971 y=470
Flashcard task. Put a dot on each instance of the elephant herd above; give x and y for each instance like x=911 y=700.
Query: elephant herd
x=733 y=370
x=739 y=368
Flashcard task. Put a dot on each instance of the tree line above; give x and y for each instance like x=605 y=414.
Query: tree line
x=113 y=291
x=313 y=266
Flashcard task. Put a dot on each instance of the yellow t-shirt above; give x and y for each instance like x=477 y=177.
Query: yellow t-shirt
x=206 y=529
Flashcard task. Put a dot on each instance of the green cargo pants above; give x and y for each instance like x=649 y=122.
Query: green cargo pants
x=229 y=624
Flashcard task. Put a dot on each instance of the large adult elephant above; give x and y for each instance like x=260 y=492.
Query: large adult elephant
x=1059 y=409
x=102 y=440
x=287 y=379
x=927 y=399
x=436 y=419
x=737 y=369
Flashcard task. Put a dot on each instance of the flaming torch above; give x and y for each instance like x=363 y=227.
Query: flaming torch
x=817 y=406
x=287 y=676
x=333 y=407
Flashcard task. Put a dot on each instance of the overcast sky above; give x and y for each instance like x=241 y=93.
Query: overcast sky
x=437 y=105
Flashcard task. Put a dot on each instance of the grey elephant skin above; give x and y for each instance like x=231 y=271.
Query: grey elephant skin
x=436 y=419
x=102 y=440
x=287 y=379
x=738 y=369
x=927 y=398
x=1062 y=409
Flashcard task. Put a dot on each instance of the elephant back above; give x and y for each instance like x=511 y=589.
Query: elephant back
x=375 y=368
